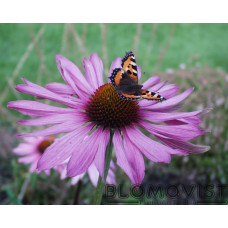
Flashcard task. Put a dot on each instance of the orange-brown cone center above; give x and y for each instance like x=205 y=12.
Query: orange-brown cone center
x=106 y=108
x=45 y=144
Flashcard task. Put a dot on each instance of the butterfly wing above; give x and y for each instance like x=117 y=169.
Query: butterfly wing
x=125 y=80
x=145 y=94
x=126 y=88
x=116 y=77
x=129 y=66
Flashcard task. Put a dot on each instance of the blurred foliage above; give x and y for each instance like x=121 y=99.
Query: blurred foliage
x=184 y=54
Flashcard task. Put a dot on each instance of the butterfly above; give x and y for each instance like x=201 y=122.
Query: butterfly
x=125 y=81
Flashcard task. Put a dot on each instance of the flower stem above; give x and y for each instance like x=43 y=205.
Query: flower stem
x=77 y=193
x=108 y=157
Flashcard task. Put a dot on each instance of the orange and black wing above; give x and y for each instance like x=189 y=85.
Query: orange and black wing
x=126 y=96
x=145 y=94
x=116 y=77
x=119 y=80
x=129 y=66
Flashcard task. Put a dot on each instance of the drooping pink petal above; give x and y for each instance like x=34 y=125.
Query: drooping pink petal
x=152 y=149
x=159 y=117
x=93 y=174
x=115 y=64
x=29 y=159
x=183 y=132
x=77 y=118
x=135 y=159
x=139 y=72
x=192 y=120
x=168 y=91
x=33 y=166
x=90 y=74
x=60 y=88
x=83 y=156
x=47 y=94
x=184 y=147
x=150 y=82
x=158 y=86
x=99 y=159
x=62 y=148
x=111 y=179
x=169 y=104
x=195 y=120
x=77 y=178
x=24 y=149
x=32 y=140
x=63 y=173
x=112 y=166
x=34 y=108
x=73 y=76
x=53 y=130
x=98 y=67
x=121 y=156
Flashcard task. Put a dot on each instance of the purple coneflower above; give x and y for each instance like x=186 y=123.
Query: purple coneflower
x=31 y=150
x=93 y=108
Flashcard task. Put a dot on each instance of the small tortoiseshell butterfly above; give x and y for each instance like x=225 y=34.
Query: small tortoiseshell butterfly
x=125 y=80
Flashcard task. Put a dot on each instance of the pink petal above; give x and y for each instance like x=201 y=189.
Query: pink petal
x=150 y=82
x=159 y=117
x=47 y=94
x=29 y=159
x=139 y=72
x=90 y=74
x=115 y=64
x=179 y=132
x=158 y=86
x=135 y=159
x=62 y=148
x=185 y=147
x=63 y=173
x=121 y=156
x=47 y=172
x=24 y=149
x=60 y=169
x=84 y=155
x=98 y=67
x=77 y=118
x=60 y=88
x=168 y=91
x=112 y=166
x=77 y=178
x=169 y=104
x=33 y=166
x=57 y=129
x=195 y=120
x=93 y=174
x=192 y=120
x=33 y=140
x=111 y=179
x=100 y=156
x=73 y=76
x=33 y=108
x=152 y=150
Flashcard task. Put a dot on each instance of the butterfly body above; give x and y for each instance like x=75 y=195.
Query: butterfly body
x=125 y=80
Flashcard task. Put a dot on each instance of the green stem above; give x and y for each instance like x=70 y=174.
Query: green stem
x=108 y=157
